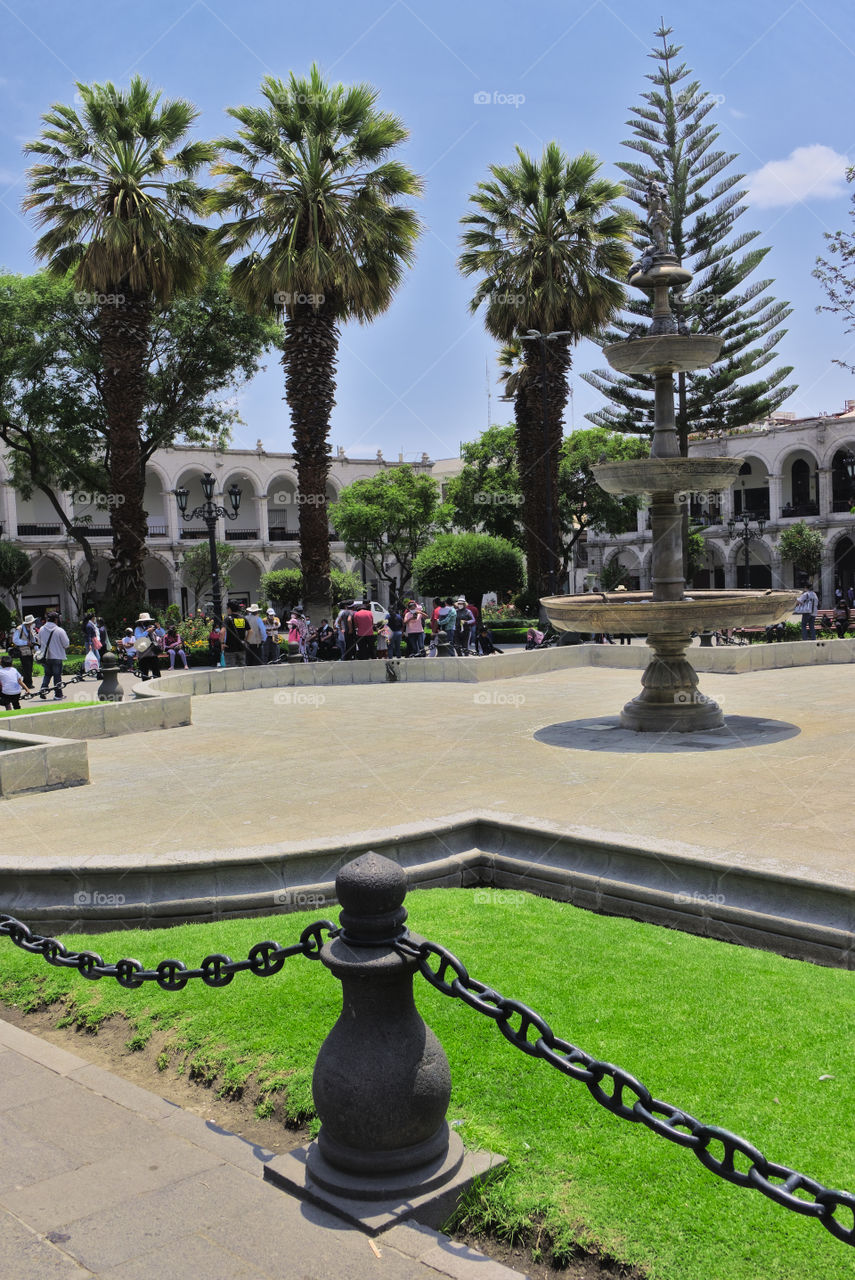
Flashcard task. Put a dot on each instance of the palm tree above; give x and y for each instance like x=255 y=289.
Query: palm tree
x=550 y=246
x=116 y=188
x=314 y=199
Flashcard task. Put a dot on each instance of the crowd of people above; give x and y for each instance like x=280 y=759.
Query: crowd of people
x=247 y=636
x=358 y=632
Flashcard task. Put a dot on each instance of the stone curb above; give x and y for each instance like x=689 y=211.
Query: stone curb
x=660 y=883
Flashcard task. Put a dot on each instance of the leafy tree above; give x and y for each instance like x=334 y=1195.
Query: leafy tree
x=696 y=551
x=15 y=569
x=286 y=586
x=836 y=274
x=389 y=517
x=486 y=496
x=677 y=145
x=582 y=504
x=195 y=568
x=802 y=547
x=115 y=187
x=52 y=415
x=548 y=244
x=315 y=204
x=471 y=563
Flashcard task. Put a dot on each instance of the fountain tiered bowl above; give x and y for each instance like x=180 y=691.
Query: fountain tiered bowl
x=636 y=613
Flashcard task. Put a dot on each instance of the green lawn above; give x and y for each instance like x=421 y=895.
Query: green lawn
x=32 y=707
x=739 y=1038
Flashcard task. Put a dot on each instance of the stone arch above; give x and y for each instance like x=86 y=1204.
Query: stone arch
x=751 y=487
x=711 y=577
x=47 y=587
x=282 y=511
x=843 y=553
x=245 y=576
x=842 y=488
x=760 y=558
x=799 y=469
x=241 y=474
x=630 y=561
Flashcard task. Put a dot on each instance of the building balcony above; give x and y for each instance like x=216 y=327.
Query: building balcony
x=39 y=530
x=842 y=505
x=241 y=535
x=277 y=533
x=91 y=531
x=157 y=531
x=190 y=535
x=793 y=511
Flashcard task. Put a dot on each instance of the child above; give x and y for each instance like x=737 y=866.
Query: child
x=383 y=636
x=11 y=685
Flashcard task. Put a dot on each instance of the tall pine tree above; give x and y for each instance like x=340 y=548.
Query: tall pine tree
x=677 y=146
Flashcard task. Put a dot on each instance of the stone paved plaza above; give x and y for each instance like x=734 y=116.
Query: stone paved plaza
x=280 y=769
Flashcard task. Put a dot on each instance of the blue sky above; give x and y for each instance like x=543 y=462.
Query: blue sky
x=782 y=73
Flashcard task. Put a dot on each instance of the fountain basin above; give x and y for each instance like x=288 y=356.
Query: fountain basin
x=667 y=475
x=664 y=353
x=636 y=613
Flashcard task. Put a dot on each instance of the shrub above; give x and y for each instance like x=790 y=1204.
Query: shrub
x=470 y=563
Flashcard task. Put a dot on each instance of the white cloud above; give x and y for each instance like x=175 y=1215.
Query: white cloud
x=815 y=172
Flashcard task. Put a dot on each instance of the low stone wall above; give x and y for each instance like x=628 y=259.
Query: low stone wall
x=722 y=660
x=33 y=762
x=405 y=671
x=109 y=719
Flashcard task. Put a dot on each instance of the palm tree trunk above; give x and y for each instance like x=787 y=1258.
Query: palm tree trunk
x=124 y=331
x=309 y=359
x=539 y=435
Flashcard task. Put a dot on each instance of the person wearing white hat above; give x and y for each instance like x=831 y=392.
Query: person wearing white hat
x=147 y=648
x=256 y=638
x=24 y=640
x=271 y=648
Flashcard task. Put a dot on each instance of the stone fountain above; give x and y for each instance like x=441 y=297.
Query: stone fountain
x=670 y=700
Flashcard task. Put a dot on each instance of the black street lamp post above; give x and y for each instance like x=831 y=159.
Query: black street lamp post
x=210 y=512
x=746 y=536
x=534 y=335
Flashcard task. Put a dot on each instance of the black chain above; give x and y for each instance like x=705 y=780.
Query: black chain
x=777 y=1181
x=265 y=958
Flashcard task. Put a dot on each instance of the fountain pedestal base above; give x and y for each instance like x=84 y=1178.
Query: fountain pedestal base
x=670 y=701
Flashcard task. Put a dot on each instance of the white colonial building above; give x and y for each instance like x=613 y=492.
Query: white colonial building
x=793 y=469
x=265 y=531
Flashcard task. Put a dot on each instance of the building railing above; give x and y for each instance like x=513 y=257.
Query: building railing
x=790 y=511
x=277 y=533
x=91 y=531
x=158 y=531
x=38 y=530
x=241 y=535
x=193 y=534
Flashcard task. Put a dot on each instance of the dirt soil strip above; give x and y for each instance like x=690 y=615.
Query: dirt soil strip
x=108 y=1048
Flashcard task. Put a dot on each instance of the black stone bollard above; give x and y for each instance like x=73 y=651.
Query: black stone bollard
x=382 y=1082
x=443 y=646
x=109 y=689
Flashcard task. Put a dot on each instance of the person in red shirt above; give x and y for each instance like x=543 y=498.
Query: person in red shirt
x=363 y=625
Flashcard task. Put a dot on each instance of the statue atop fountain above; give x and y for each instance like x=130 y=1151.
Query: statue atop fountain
x=658 y=216
x=669 y=700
